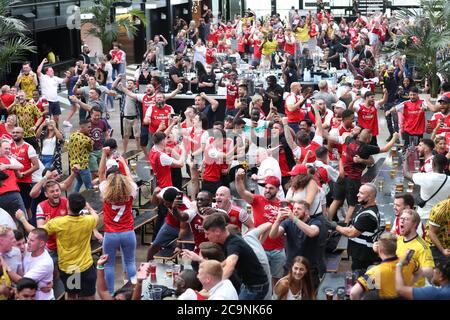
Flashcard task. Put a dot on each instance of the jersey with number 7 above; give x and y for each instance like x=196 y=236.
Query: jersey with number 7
x=118 y=217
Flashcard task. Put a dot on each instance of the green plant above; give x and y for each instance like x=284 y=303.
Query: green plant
x=424 y=39
x=14 y=44
x=106 y=27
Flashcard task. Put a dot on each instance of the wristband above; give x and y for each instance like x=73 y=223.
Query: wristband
x=99 y=267
x=295 y=220
x=399 y=264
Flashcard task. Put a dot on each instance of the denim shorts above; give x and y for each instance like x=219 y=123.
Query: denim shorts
x=277 y=260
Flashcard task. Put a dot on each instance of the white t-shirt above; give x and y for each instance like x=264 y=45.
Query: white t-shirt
x=49 y=86
x=200 y=54
x=270 y=163
x=40 y=269
x=48 y=146
x=298 y=195
x=5 y=218
x=429 y=184
x=224 y=290
x=37 y=175
x=109 y=69
x=189 y=294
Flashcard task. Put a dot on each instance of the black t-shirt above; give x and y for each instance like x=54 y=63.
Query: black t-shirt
x=209 y=78
x=363 y=222
x=364 y=150
x=291 y=75
x=210 y=114
x=277 y=90
x=299 y=244
x=179 y=72
x=334 y=48
x=245 y=100
x=248 y=267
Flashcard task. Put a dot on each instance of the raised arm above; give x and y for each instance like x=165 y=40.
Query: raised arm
x=240 y=186
x=390 y=144
x=214 y=103
x=39 y=68
x=174 y=92
x=287 y=133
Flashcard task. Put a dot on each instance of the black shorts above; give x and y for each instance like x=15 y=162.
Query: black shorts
x=54 y=108
x=211 y=186
x=25 y=189
x=352 y=188
x=82 y=284
x=339 y=190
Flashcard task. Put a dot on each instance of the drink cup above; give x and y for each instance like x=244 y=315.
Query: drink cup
x=394 y=152
x=416 y=165
x=155 y=293
x=410 y=187
x=380 y=183
x=392 y=172
x=329 y=293
x=152 y=267
x=176 y=268
x=348 y=282
x=388 y=225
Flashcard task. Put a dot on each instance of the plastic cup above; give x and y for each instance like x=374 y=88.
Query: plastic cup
x=410 y=187
x=380 y=183
x=155 y=293
x=329 y=293
x=416 y=165
x=153 y=267
x=348 y=282
x=388 y=225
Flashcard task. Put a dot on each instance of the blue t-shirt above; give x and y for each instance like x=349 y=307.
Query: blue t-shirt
x=432 y=293
x=210 y=114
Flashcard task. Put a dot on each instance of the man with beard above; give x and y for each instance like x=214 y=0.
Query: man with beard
x=265 y=209
x=27 y=80
x=409 y=239
x=195 y=216
x=367 y=113
x=414 y=117
x=146 y=100
x=26 y=155
x=294 y=106
x=237 y=215
x=363 y=229
x=274 y=94
x=440 y=121
x=28 y=118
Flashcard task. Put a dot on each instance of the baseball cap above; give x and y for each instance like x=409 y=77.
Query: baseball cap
x=340 y=104
x=273 y=181
x=298 y=169
x=445 y=97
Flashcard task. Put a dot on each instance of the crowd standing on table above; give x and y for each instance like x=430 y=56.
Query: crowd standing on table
x=269 y=187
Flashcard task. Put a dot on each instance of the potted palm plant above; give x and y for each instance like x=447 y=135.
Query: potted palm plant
x=424 y=37
x=14 y=44
x=106 y=27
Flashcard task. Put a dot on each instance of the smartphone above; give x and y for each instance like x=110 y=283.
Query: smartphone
x=142 y=272
x=409 y=256
x=284 y=204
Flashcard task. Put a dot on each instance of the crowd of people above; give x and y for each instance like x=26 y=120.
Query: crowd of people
x=268 y=188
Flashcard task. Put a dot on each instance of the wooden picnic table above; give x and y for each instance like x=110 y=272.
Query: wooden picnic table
x=330 y=280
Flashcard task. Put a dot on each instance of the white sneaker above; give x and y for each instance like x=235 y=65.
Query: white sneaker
x=67 y=124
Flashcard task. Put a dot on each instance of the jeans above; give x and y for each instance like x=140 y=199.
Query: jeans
x=254 y=292
x=84 y=176
x=126 y=242
x=391 y=119
x=47 y=160
x=109 y=100
x=11 y=201
x=117 y=69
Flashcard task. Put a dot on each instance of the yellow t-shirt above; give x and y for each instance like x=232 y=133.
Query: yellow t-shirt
x=422 y=254
x=440 y=218
x=4 y=278
x=27 y=84
x=302 y=34
x=27 y=115
x=51 y=57
x=80 y=147
x=269 y=47
x=382 y=278
x=73 y=241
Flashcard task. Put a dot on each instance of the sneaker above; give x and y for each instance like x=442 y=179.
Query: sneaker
x=67 y=124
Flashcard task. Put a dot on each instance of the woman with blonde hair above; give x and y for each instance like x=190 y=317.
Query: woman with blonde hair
x=297 y=285
x=118 y=192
